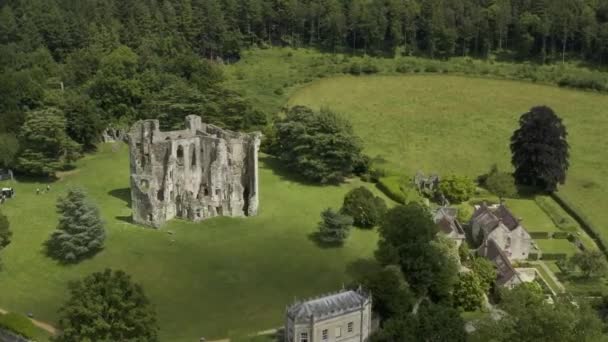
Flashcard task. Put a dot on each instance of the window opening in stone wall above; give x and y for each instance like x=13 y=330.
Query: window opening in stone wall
x=304 y=337
x=350 y=327
x=180 y=155
x=144 y=184
x=160 y=195
x=324 y=335
x=193 y=149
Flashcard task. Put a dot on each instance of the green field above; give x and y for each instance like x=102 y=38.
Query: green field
x=462 y=125
x=222 y=277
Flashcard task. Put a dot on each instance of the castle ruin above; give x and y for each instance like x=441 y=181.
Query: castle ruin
x=194 y=174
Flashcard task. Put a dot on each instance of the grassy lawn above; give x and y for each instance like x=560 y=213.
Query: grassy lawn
x=457 y=124
x=222 y=277
x=533 y=218
x=556 y=246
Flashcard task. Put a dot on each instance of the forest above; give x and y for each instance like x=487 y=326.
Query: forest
x=71 y=68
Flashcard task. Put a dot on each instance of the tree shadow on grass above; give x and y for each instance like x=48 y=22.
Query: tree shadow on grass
x=127 y=219
x=280 y=170
x=362 y=268
x=123 y=194
x=316 y=238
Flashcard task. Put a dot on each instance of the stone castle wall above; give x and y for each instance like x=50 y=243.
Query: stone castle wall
x=194 y=174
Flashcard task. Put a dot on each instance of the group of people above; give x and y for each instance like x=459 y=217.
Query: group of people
x=48 y=189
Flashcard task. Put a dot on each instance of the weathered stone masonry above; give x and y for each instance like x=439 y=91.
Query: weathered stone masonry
x=194 y=174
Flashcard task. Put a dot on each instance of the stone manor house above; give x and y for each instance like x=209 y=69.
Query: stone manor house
x=345 y=316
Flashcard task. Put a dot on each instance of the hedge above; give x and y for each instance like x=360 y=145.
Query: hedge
x=561 y=235
x=585 y=223
x=533 y=256
x=554 y=256
x=540 y=235
x=392 y=188
x=18 y=324
x=563 y=222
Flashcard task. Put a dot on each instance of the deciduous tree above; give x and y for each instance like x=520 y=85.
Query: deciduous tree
x=107 y=306
x=540 y=149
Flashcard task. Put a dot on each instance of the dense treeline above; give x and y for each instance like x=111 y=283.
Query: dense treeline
x=100 y=63
x=529 y=28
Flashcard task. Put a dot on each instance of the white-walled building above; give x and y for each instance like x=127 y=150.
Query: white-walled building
x=345 y=316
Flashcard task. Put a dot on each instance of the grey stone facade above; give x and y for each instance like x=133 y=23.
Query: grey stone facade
x=345 y=316
x=194 y=174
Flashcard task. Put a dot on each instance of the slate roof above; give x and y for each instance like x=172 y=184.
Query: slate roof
x=445 y=218
x=329 y=306
x=490 y=250
x=489 y=219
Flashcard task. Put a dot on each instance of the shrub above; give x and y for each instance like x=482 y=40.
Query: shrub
x=583 y=81
x=540 y=235
x=591 y=263
x=366 y=209
x=465 y=211
x=334 y=227
x=369 y=67
x=392 y=189
x=18 y=324
x=554 y=256
x=533 y=256
x=355 y=68
x=561 y=235
x=562 y=220
x=279 y=91
x=457 y=189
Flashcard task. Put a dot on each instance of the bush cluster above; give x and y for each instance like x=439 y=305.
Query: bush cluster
x=364 y=207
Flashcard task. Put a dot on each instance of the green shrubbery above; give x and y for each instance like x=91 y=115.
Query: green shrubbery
x=398 y=189
x=584 y=81
x=540 y=235
x=18 y=324
x=457 y=189
x=366 y=209
x=560 y=218
x=502 y=184
x=554 y=256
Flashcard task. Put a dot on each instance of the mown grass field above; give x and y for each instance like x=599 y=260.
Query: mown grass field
x=453 y=124
x=223 y=277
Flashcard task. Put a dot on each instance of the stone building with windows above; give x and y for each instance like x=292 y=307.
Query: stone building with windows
x=345 y=316
x=196 y=173
x=499 y=224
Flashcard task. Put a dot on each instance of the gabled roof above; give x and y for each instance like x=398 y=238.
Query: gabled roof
x=488 y=219
x=447 y=221
x=506 y=217
x=491 y=251
x=328 y=306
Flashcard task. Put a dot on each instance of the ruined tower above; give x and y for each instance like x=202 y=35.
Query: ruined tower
x=194 y=174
